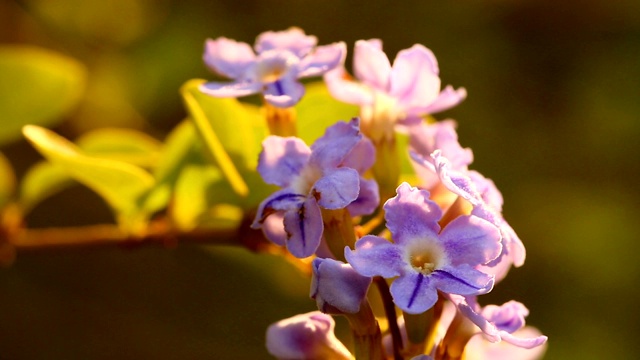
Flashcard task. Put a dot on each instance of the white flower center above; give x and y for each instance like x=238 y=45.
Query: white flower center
x=273 y=65
x=304 y=181
x=425 y=255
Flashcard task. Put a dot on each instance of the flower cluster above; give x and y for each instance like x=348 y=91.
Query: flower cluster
x=431 y=248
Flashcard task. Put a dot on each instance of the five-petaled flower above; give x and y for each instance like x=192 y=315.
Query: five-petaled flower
x=311 y=178
x=388 y=94
x=424 y=258
x=280 y=59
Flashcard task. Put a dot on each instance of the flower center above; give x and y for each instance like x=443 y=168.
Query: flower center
x=273 y=65
x=304 y=181
x=425 y=255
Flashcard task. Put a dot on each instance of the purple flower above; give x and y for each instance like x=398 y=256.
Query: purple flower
x=486 y=200
x=305 y=336
x=281 y=58
x=498 y=323
x=337 y=286
x=312 y=178
x=424 y=139
x=424 y=258
x=407 y=90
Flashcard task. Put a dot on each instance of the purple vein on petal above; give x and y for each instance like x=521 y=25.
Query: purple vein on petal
x=450 y=276
x=415 y=290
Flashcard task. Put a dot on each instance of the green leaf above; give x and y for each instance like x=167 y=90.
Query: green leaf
x=214 y=145
x=37 y=86
x=120 y=184
x=126 y=145
x=201 y=195
x=318 y=110
x=7 y=180
x=42 y=180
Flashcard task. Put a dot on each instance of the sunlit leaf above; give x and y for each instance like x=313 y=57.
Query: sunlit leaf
x=212 y=141
x=7 y=180
x=120 y=184
x=121 y=144
x=201 y=190
x=37 y=86
x=318 y=110
x=42 y=180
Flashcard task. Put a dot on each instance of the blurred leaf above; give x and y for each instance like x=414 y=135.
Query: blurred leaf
x=239 y=126
x=201 y=190
x=126 y=145
x=42 y=180
x=37 y=86
x=318 y=110
x=120 y=184
x=103 y=20
x=205 y=127
x=7 y=180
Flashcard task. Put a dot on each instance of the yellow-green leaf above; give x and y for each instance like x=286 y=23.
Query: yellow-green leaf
x=126 y=145
x=318 y=110
x=42 y=180
x=7 y=180
x=120 y=184
x=37 y=86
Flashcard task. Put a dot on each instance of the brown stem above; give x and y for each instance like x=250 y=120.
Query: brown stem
x=390 y=311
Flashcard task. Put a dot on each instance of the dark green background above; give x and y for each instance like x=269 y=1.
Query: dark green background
x=551 y=116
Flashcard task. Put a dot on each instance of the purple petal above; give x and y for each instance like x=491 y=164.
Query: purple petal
x=471 y=240
x=235 y=89
x=414 y=78
x=511 y=243
x=338 y=285
x=362 y=156
x=457 y=182
x=375 y=256
x=488 y=190
x=337 y=188
x=489 y=330
x=281 y=200
x=284 y=92
x=228 y=57
x=273 y=228
x=371 y=65
x=292 y=39
x=330 y=150
x=305 y=336
x=462 y=280
x=304 y=228
x=411 y=214
x=447 y=99
x=508 y=317
x=282 y=159
x=523 y=342
x=368 y=198
x=346 y=90
x=414 y=292
x=427 y=138
x=322 y=59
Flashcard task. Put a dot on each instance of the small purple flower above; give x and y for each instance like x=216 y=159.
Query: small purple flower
x=409 y=89
x=337 y=287
x=424 y=139
x=498 y=323
x=424 y=258
x=305 y=336
x=281 y=59
x=312 y=178
x=486 y=203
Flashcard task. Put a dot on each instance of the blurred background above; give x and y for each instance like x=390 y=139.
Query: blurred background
x=551 y=115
